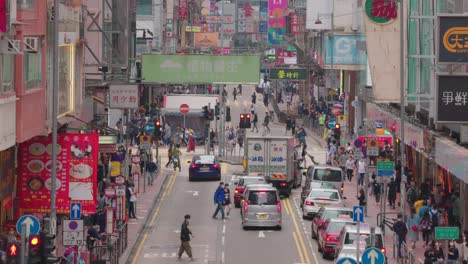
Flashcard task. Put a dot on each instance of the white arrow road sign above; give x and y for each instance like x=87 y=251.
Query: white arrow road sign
x=194 y=193
x=261 y=234
x=373 y=255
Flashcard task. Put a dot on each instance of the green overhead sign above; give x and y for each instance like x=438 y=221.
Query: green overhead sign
x=234 y=69
x=288 y=74
x=449 y=232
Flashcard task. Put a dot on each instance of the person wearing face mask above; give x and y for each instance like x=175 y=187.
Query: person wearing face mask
x=434 y=254
x=452 y=253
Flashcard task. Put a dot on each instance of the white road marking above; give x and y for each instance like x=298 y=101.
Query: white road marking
x=222 y=240
x=261 y=234
x=224 y=229
x=177 y=231
x=222 y=257
x=194 y=193
x=160 y=255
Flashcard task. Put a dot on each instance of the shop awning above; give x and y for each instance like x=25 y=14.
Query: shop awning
x=452 y=157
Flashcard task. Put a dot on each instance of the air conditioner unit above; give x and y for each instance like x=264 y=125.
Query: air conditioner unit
x=10 y=46
x=31 y=44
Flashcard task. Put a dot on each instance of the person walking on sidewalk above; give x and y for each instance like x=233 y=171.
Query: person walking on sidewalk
x=266 y=122
x=400 y=229
x=169 y=155
x=362 y=171
x=254 y=98
x=227 y=200
x=219 y=197
x=425 y=227
x=131 y=196
x=377 y=191
x=350 y=166
x=434 y=254
x=413 y=222
x=254 y=122
x=392 y=192
x=362 y=197
x=151 y=168
x=185 y=234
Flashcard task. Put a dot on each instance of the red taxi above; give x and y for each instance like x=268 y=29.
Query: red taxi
x=329 y=212
x=329 y=233
x=240 y=186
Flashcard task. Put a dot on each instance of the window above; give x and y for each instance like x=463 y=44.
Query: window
x=324 y=195
x=328 y=175
x=336 y=214
x=144 y=7
x=26 y=4
x=7 y=73
x=262 y=197
x=32 y=70
x=245 y=181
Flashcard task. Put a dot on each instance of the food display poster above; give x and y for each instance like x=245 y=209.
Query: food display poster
x=82 y=161
x=35 y=171
x=76 y=173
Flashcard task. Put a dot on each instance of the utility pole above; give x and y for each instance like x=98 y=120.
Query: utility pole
x=402 y=112
x=55 y=87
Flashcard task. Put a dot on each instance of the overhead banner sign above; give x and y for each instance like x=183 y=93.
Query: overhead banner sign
x=288 y=74
x=382 y=33
x=452 y=99
x=238 y=69
x=123 y=96
x=346 y=50
x=453 y=39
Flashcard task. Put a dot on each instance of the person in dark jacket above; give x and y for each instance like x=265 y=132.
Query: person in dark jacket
x=453 y=254
x=288 y=125
x=434 y=254
x=400 y=229
x=392 y=192
x=254 y=122
x=185 y=234
x=254 y=98
x=219 y=197
x=362 y=197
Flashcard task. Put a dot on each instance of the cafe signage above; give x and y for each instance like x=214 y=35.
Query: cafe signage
x=381 y=11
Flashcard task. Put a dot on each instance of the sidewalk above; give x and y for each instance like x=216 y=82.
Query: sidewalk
x=350 y=192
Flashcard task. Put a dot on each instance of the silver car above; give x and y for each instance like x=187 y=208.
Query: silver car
x=318 y=198
x=261 y=207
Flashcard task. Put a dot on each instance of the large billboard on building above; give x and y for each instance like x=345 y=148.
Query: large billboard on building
x=319 y=9
x=382 y=30
x=243 y=69
x=277 y=11
x=347 y=50
x=452 y=99
x=453 y=39
x=206 y=39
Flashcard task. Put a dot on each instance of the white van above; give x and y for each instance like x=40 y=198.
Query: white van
x=325 y=174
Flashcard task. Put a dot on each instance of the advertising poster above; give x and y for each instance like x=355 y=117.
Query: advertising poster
x=82 y=162
x=452 y=99
x=76 y=173
x=183 y=9
x=453 y=44
x=34 y=179
x=276 y=21
x=206 y=39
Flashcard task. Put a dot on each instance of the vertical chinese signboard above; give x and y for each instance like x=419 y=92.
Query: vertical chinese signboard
x=452 y=99
x=276 y=21
x=76 y=173
x=123 y=96
x=294 y=25
x=183 y=9
x=3 y=21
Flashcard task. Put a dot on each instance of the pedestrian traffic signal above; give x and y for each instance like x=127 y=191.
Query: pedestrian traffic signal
x=34 y=249
x=13 y=253
x=228 y=114
x=244 y=121
x=157 y=130
x=47 y=247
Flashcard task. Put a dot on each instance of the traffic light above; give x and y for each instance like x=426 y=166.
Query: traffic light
x=228 y=114
x=393 y=128
x=34 y=249
x=157 y=130
x=244 y=121
x=247 y=121
x=47 y=246
x=13 y=253
x=337 y=131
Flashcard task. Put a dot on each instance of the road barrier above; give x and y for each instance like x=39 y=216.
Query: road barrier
x=112 y=246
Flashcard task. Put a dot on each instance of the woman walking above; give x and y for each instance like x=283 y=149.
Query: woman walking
x=227 y=200
x=425 y=227
x=413 y=223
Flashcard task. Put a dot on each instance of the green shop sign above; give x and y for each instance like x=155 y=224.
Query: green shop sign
x=381 y=11
x=288 y=74
x=233 y=69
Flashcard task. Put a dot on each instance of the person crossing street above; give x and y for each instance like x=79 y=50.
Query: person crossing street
x=185 y=234
x=219 y=197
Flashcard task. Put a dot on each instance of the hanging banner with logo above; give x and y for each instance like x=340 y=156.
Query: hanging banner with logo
x=276 y=21
x=453 y=39
x=452 y=99
x=346 y=50
x=383 y=42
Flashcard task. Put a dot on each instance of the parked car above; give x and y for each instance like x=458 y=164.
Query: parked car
x=328 y=234
x=315 y=185
x=326 y=213
x=319 y=198
x=325 y=174
x=261 y=206
x=350 y=252
x=349 y=236
x=204 y=167
x=240 y=186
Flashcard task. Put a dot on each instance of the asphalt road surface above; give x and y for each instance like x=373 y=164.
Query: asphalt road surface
x=224 y=241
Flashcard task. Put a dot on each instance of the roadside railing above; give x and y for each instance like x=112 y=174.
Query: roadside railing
x=112 y=246
x=408 y=255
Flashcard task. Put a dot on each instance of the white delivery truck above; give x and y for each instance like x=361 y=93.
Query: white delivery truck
x=276 y=159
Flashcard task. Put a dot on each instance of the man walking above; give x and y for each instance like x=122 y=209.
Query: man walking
x=266 y=121
x=185 y=234
x=254 y=122
x=219 y=197
x=400 y=229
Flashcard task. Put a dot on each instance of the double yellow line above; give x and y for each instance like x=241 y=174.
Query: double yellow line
x=168 y=190
x=297 y=234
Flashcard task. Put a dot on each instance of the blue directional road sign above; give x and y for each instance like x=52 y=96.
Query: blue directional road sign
x=32 y=225
x=346 y=261
x=331 y=123
x=373 y=256
x=149 y=128
x=75 y=210
x=358 y=214
x=357 y=143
